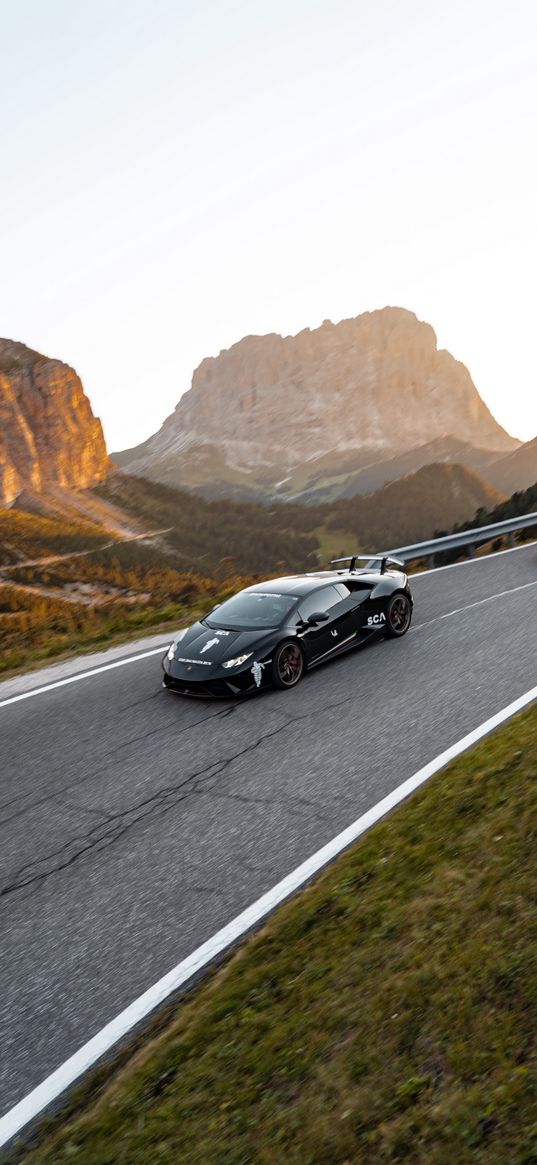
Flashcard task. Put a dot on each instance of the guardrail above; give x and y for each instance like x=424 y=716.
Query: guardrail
x=468 y=538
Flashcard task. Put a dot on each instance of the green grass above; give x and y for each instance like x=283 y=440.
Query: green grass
x=386 y=1014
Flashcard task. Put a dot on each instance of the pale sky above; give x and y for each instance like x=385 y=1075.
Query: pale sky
x=176 y=175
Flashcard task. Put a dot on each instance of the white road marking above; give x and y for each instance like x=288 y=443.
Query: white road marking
x=50 y=1089
x=84 y=675
x=479 y=603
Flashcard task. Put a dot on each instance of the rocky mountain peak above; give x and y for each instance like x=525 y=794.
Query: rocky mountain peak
x=48 y=433
x=377 y=384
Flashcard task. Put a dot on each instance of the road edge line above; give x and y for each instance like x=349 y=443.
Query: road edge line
x=88 y=1055
x=84 y=675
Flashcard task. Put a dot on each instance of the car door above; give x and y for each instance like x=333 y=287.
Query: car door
x=323 y=639
x=371 y=613
x=359 y=605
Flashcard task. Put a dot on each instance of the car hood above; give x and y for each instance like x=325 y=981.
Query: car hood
x=213 y=645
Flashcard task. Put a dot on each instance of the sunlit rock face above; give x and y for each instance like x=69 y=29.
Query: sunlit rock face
x=377 y=383
x=48 y=434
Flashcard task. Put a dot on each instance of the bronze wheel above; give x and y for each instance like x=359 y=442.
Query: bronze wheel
x=287 y=665
x=398 y=615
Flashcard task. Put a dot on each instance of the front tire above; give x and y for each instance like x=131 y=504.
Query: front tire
x=398 y=615
x=287 y=664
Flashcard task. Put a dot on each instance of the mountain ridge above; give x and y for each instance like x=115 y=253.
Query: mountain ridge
x=517 y=470
x=261 y=410
x=415 y=506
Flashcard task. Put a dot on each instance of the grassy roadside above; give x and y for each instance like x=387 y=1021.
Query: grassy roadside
x=37 y=630
x=90 y=646
x=128 y=627
x=387 y=1014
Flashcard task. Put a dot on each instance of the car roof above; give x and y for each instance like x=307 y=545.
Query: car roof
x=304 y=584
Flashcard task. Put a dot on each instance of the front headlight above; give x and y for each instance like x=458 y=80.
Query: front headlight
x=171 y=649
x=239 y=659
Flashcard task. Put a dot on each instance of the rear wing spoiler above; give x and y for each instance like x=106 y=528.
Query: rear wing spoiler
x=372 y=559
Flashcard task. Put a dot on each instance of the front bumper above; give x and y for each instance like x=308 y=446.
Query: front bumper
x=189 y=682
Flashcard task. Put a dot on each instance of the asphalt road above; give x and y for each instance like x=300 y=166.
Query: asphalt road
x=134 y=823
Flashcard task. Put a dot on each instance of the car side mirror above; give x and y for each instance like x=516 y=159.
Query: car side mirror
x=317 y=617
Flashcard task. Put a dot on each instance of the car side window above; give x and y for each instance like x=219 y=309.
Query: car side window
x=358 y=587
x=321 y=600
x=352 y=587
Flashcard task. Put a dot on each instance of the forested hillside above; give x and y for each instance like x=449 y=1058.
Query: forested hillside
x=218 y=536
x=68 y=586
x=259 y=538
x=522 y=502
x=410 y=509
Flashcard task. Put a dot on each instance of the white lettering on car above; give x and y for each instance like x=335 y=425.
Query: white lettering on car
x=374 y=620
x=203 y=662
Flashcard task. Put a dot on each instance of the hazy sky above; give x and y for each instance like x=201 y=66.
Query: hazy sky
x=176 y=175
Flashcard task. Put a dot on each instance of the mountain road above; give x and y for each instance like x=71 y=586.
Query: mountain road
x=135 y=823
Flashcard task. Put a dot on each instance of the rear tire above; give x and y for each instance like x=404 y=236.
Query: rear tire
x=398 y=615
x=287 y=664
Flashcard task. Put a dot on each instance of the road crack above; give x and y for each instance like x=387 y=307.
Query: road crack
x=53 y=794
x=115 y=826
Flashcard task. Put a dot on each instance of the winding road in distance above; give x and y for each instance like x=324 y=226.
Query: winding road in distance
x=134 y=823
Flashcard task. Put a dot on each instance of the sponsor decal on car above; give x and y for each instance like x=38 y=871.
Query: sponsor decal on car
x=203 y=662
x=257 y=672
x=374 y=620
x=210 y=643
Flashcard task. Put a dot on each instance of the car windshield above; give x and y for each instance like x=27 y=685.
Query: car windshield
x=251 y=609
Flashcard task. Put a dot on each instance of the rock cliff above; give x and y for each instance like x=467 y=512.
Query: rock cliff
x=377 y=384
x=48 y=434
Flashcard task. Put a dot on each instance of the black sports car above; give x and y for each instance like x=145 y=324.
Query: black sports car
x=271 y=633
